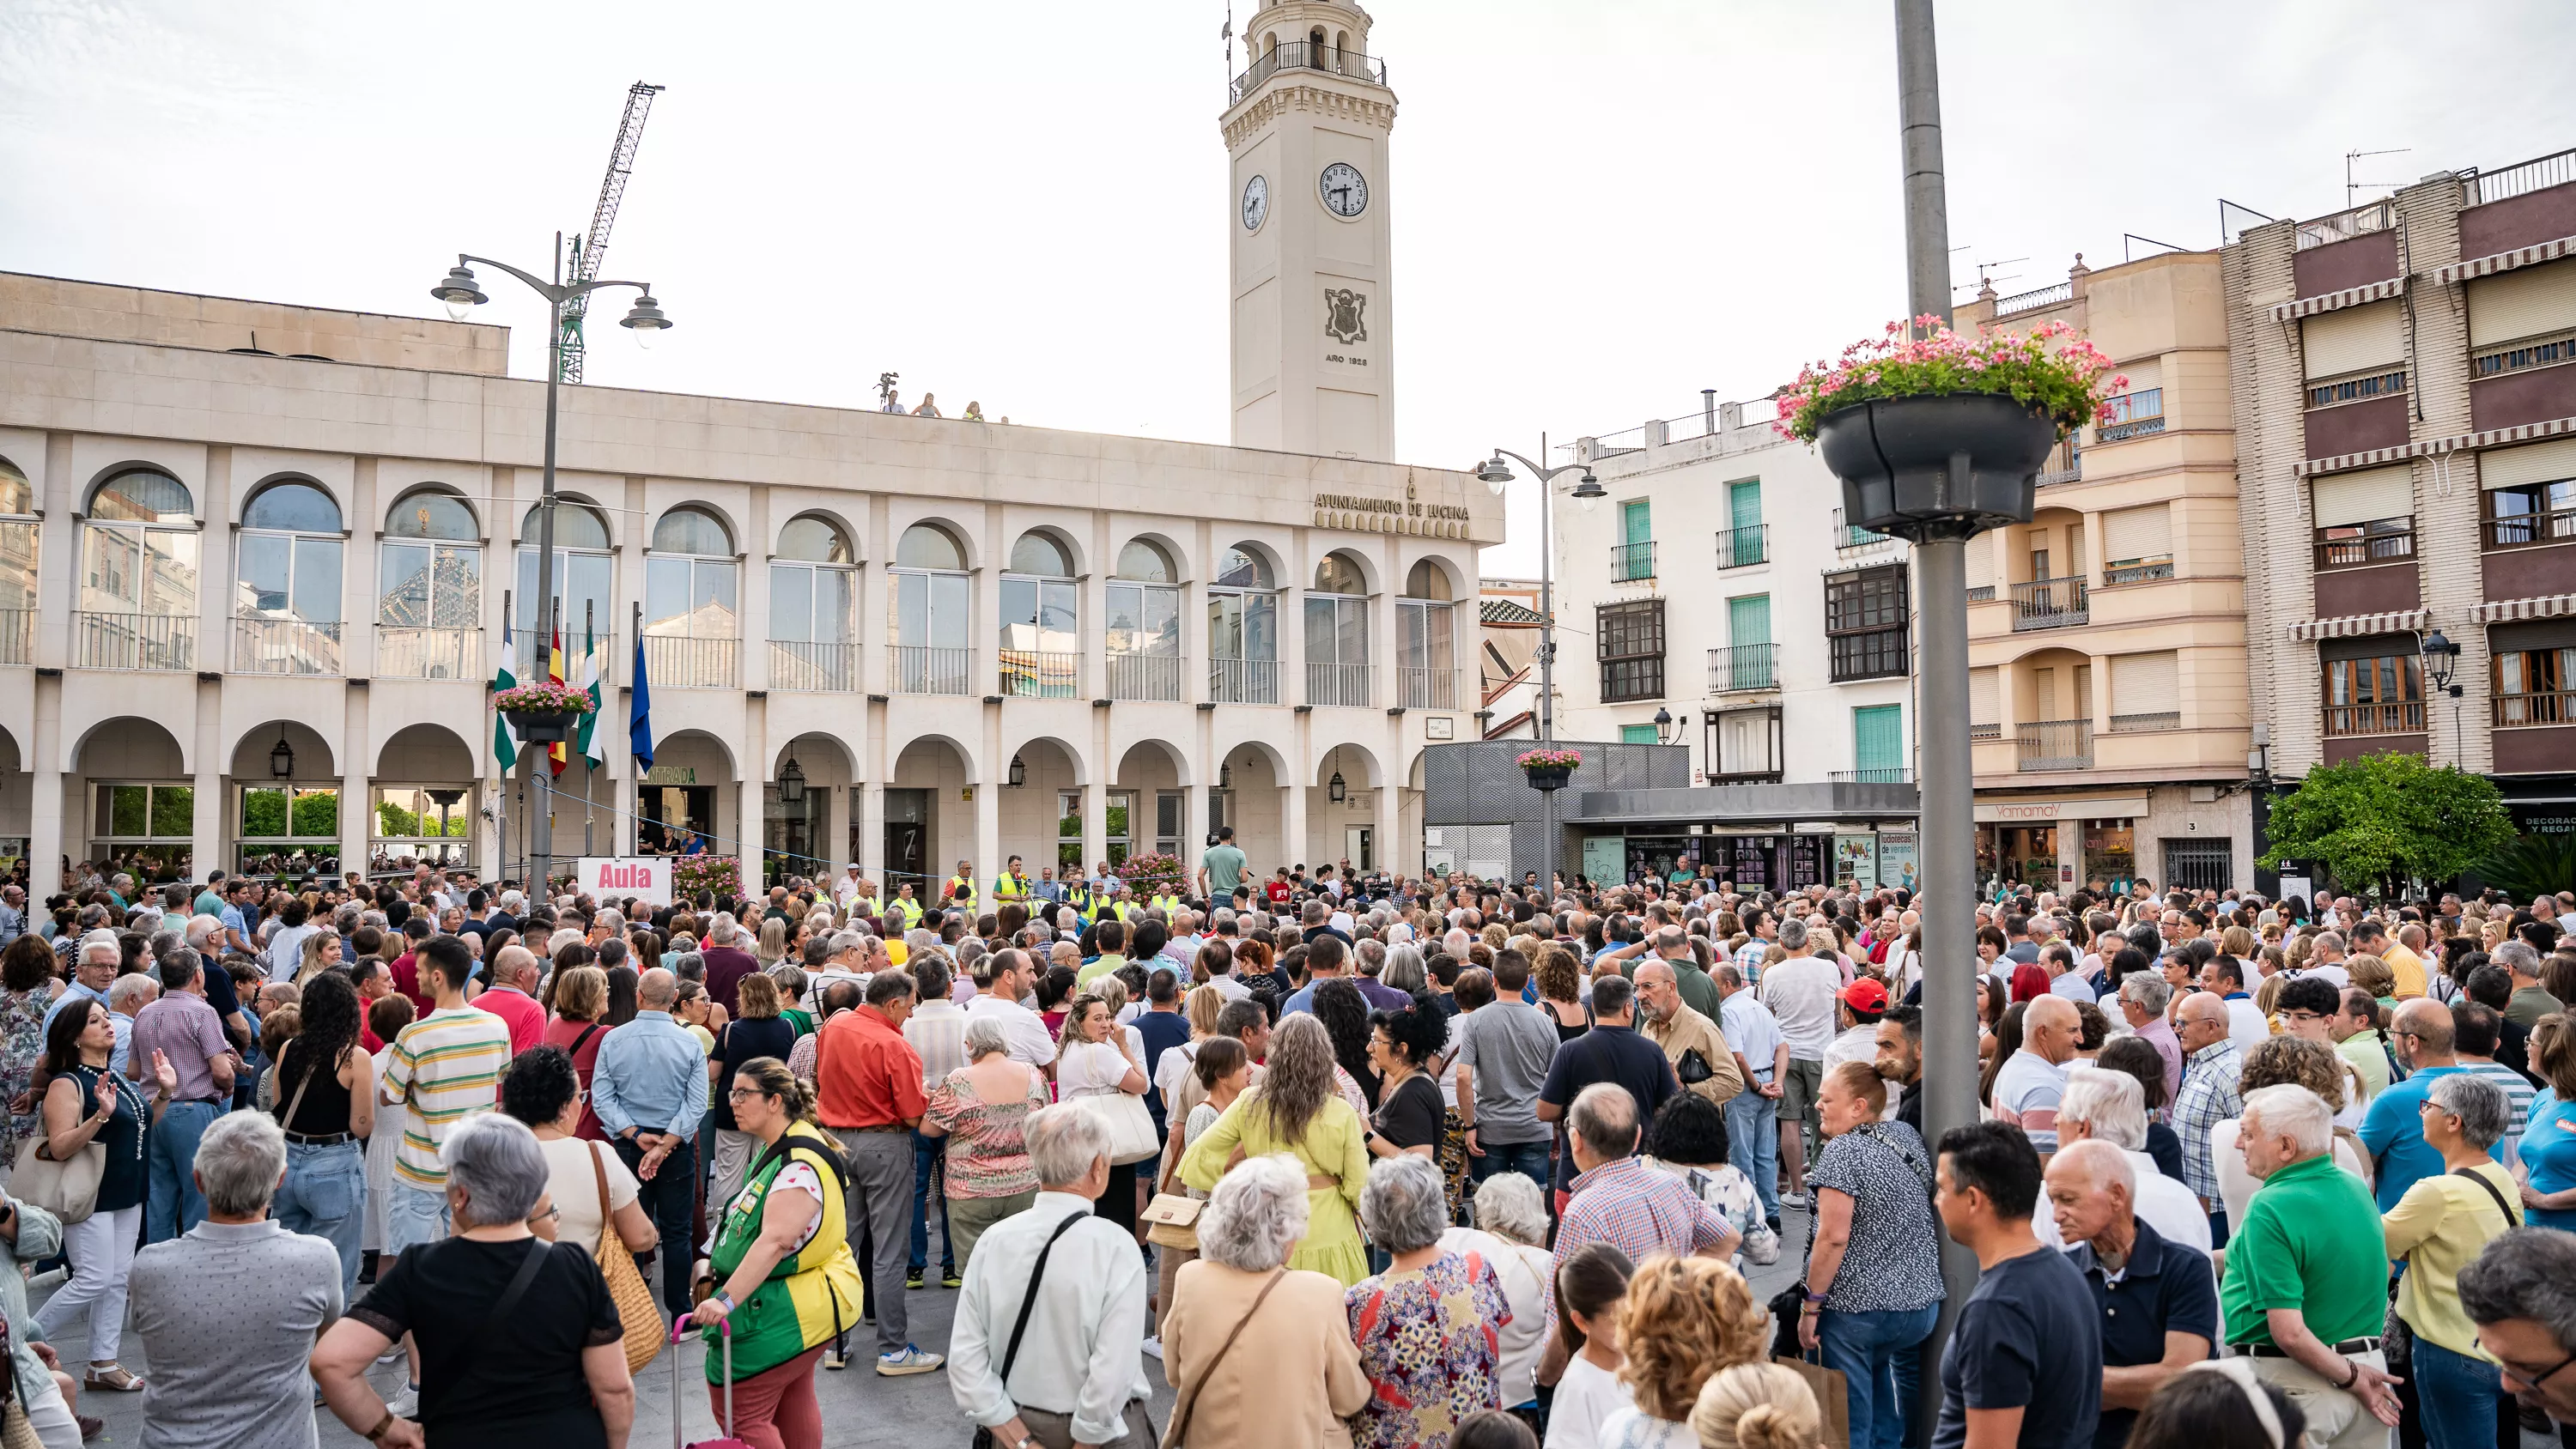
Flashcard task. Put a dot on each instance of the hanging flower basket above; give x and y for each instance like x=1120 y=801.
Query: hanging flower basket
x=545 y=713
x=1941 y=436
x=1151 y=874
x=1548 y=769
x=694 y=874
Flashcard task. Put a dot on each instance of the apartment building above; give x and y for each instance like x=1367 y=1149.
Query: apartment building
x=2405 y=407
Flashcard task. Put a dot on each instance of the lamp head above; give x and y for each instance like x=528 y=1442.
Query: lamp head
x=281 y=760
x=2440 y=655
x=459 y=291
x=791 y=782
x=645 y=320
x=1494 y=473
x=1589 y=491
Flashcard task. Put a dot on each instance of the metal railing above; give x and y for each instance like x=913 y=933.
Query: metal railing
x=1985 y=731
x=284 y=646
x=1890 y=775
x=2514 y=180
x=1338 y=686
x=2056 y=744
x=1981 y=593
x=2518 y=530
x=2381 y=540
x=528 y=658
x=1306 y=55
x=2051 y=604
x=17 y=636
x=1740 y=667
x=1041 y=674
x=1243 y=681
x=133 y=641
x=1852 y=535
x=2032 y=301
x=2065 y=463
x=1138 y=674
x=806 y=666
x=2345 y=225
x=2133 y=415
x=2402 y=717
x=404 y=651
x=2139 y=572
x=2522 y=356
x=2126 y=724
x=1422 y=687
x=681 y=661
x=1711 y=419
x=1631 y=561
x=921 y=669
x=2545 y=707
x=2390 y=382
x=1739 y=547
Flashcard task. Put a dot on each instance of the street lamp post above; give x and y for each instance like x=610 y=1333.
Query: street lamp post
x=2441 y=660
x=462 y=293
x=1496 y=474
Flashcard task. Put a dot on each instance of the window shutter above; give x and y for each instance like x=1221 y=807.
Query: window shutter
x=2144 y=683
x=1981 y=562
x=1985 y=696
x=2522 y=467
x=2130 y=534
x=2144 y=375
x=2354 y=339
x=2363 y=497
x=2525 y=302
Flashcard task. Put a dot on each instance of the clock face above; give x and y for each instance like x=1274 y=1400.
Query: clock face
x=1256 y=202
x=1345 y=190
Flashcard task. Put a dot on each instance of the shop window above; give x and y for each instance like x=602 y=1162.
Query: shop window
x=2111 y=852
x=286 y=830
x=417 y=826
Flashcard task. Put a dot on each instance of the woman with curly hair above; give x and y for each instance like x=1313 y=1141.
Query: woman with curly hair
x=1560 y=991
x=2277 y=1061
x=1682 y=1320
x=1345 y=1015
x=26 y=973
x=1297 y=1110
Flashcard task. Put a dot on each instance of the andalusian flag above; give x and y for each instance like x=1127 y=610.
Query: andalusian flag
x=505 y=747
x=557 y=754
x=589 y=732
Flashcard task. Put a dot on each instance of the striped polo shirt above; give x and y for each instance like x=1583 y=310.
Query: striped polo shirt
x=445 y=1068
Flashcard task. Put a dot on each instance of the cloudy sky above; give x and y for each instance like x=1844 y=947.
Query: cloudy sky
x=1601 y=206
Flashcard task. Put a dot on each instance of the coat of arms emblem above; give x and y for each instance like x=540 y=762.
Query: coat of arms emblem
x=1345 y=315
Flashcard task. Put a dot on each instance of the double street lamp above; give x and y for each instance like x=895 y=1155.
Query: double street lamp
x=462 y=293
x=1496 y=474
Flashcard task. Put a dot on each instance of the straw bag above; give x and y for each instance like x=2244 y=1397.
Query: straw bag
x=626 y=1288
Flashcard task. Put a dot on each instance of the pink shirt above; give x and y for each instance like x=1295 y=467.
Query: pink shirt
x=526 y=1019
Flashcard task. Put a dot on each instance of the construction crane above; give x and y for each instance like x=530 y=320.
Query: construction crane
x=588 y=248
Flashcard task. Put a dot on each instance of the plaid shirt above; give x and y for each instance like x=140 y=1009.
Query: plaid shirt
x=1639 y=1211
x=2211 y=1094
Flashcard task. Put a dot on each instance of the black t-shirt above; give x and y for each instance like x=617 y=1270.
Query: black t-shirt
x=1606 y=1054
x=1411 y=1115
x=2029 y=1338
x=746 y=1039
x=522 y=1386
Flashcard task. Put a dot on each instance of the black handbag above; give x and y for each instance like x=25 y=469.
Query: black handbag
x=1693 y=1068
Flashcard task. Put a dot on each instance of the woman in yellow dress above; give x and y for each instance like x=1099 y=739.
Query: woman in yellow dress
x=1296 y=1110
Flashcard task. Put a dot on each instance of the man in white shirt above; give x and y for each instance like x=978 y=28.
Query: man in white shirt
x=2063 y=977
x=2246 y=1026
x=1752 y=1115
x=848 y=888
x=1008 y=976
x=1800 y=992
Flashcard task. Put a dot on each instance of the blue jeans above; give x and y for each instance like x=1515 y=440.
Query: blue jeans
x=325 y=1194
x=2458 y=1394
x=926 y=1155
x=171 y=1203
x=1866 y=1349
x=1753 y=1145
x=1529 y=1159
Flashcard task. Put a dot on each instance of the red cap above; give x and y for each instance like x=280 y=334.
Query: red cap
x=1866 y=996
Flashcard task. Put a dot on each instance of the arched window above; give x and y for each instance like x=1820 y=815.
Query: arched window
x=1426 y=640
x=932 y=606
x=429 y=602
x=138 y=589
x=584 y=593
x=692 y=638
x=1337 y=620
x=17 y=565
x=286 y=603
x=1041 y=642
x=1243 y=629
x=1144 y=624
x=813 y=608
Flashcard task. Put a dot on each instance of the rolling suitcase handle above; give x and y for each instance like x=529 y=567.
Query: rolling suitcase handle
x=724 y=1331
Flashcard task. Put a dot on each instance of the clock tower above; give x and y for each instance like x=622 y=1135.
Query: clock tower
x=1308 y=285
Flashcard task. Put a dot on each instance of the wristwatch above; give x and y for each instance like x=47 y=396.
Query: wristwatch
x=382 y=1425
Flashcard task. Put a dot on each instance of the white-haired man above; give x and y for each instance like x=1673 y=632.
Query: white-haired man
x=2111 y=1107
x=2158 y=1301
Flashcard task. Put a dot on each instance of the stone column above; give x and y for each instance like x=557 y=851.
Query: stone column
x=1390 y=822
x=1095 y=823
x=356 y=773
x=206 y=827
x=1292 y=823
x=988 y=829
x=45 y=810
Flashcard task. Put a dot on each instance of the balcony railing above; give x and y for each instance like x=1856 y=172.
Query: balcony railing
x=680 y=661
x=2523 y=356
x=1741 y=667
x=2518 y=530
x=2402 y=717
x=921 y=669
x=2345 y=225
x=2065 y=464
x=1852 y=535
x=803 y=665
x=2056 y=744
x=2547 y=707
x=17 y=636
x=2390 y=382
x=284 y=646
x=134 y=641
x=1421 y=687
x=528 y=658
x=1738 y=547
x=2383 y=540
x=2032 y=301
x=2139 y=572
x=1890 y=775
x=1339 y=686
x=2050 y=604
x=1985 y=731
x=1631 y=561
x=1982 y=593
x=1041 y=674
x=2129 y=724
x=2548 y=171
x=406 y=652
x=1306 y=55
x=2132 y=415
x=1243 y=681
x=1136 y=674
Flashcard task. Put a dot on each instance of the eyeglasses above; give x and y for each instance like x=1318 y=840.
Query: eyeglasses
x=744 y=1094
x=2513 y=1371
x=2303 y=1016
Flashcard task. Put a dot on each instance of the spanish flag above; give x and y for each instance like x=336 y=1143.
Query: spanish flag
x=557 y=754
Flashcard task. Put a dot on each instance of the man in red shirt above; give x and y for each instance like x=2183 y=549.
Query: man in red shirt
x=727 y=963
x=869 y=1095
x=513 y=997
x=406 y=971
x=1277 y=890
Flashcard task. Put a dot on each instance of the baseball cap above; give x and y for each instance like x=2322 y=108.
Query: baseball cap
x=1866 y=997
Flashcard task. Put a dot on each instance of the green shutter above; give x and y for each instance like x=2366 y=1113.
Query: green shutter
x=1744 y=523
x=1643 y=734
x=1748 y=620
x=1636 y=521
x=1878 y=742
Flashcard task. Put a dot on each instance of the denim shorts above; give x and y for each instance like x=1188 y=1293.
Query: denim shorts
x=413 y=1216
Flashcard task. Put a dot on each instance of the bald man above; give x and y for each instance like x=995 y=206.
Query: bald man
x=2393 y=1129
x=2033 y=1082
x=513 y=997
x=2158 y=1299
x=1684 y=1033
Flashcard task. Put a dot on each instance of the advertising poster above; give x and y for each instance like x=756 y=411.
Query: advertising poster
x=1896 y=863
x=1856 y=862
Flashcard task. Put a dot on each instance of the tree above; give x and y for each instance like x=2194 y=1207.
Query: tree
x=2385 y=818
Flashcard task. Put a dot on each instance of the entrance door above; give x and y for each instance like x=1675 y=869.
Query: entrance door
x=907 y=840
x=1359 y=845
x=668 y=816
x=2030 y=855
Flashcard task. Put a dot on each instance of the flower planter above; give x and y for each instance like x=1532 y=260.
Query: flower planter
x=540 y=729
x=1550 y=779
x=1941 y=465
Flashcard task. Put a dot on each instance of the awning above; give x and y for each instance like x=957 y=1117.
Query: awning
x=2456 y=443
x=2348 y=297
x=2351 y=626
x=2505 y=611
x=2487 y=266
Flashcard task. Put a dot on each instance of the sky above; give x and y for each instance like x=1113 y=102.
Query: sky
x=1600 y=207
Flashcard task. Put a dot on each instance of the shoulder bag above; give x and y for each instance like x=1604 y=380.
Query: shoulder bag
x=1177 y=1432
x=635 y=1310
x=1132 y=1137
x=984 y=1438
x=68 y=1190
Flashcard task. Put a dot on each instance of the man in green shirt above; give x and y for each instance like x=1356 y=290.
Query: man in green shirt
x=2306 y=1288
x=2530 y=1001
x=1221 y=868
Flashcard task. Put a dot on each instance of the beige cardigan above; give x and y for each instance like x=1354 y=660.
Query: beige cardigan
x=1293 y=1376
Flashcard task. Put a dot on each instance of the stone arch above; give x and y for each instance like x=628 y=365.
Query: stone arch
x=712 y=512
x=426 y=752
x=1372 y=577
x=1083 y=768
x=527 y=528
x=809 y=745
x=968 y=545
x=691 y=740
x=1076 y=565
x=852 y=535
x=1342 y=755
x=315 y=760
x=129 y=747
x=1184 y=565
x=243 y=499
x=1155 y=744
x=969 y=758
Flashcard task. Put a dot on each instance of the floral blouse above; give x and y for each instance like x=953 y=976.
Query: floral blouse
x=1431 y=1345
x=22 y=1044
x=1728 y=1190
x=986 y=1154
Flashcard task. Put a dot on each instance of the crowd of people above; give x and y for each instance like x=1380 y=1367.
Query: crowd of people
x=1338 y=1158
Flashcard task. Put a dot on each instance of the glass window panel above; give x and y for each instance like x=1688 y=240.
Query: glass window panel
x=127 y=808
x=912 y=610
x=1019 y=605
x=1319 y=630
x=1145 y=562
x=927 y=546
x=1225 y=626
x=292 y=508
x=317 y=580
x=1260 y=627
x=585 y=592
x=263 y=814
x=948 y=611
x=577 y=525
x=265 y=560
x=431 y=514
x=1440 y=635
x=174 y=810
x=109 y=573
x=17 y=495
x=711 y=601
x=404 y=571
x=1338 y=575
x=1124 y=624
x=836 y=617
x=1162 y=621
x=142 y=496
x=1039 y=553
x=169 y=572
x=17 y=566
x=666 y=594
x=1057 y=618
x=316 y=814
x=791 y=604
x=813 y=541
x=1244 y=568
x=456 y=589
x=1354 y=622
x=692 y=530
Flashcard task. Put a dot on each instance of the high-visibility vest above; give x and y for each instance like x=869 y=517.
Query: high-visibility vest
x=908 y=908
x=961 y=889
x=1079 y=897
x=1167 y=904
x=1008 y=887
